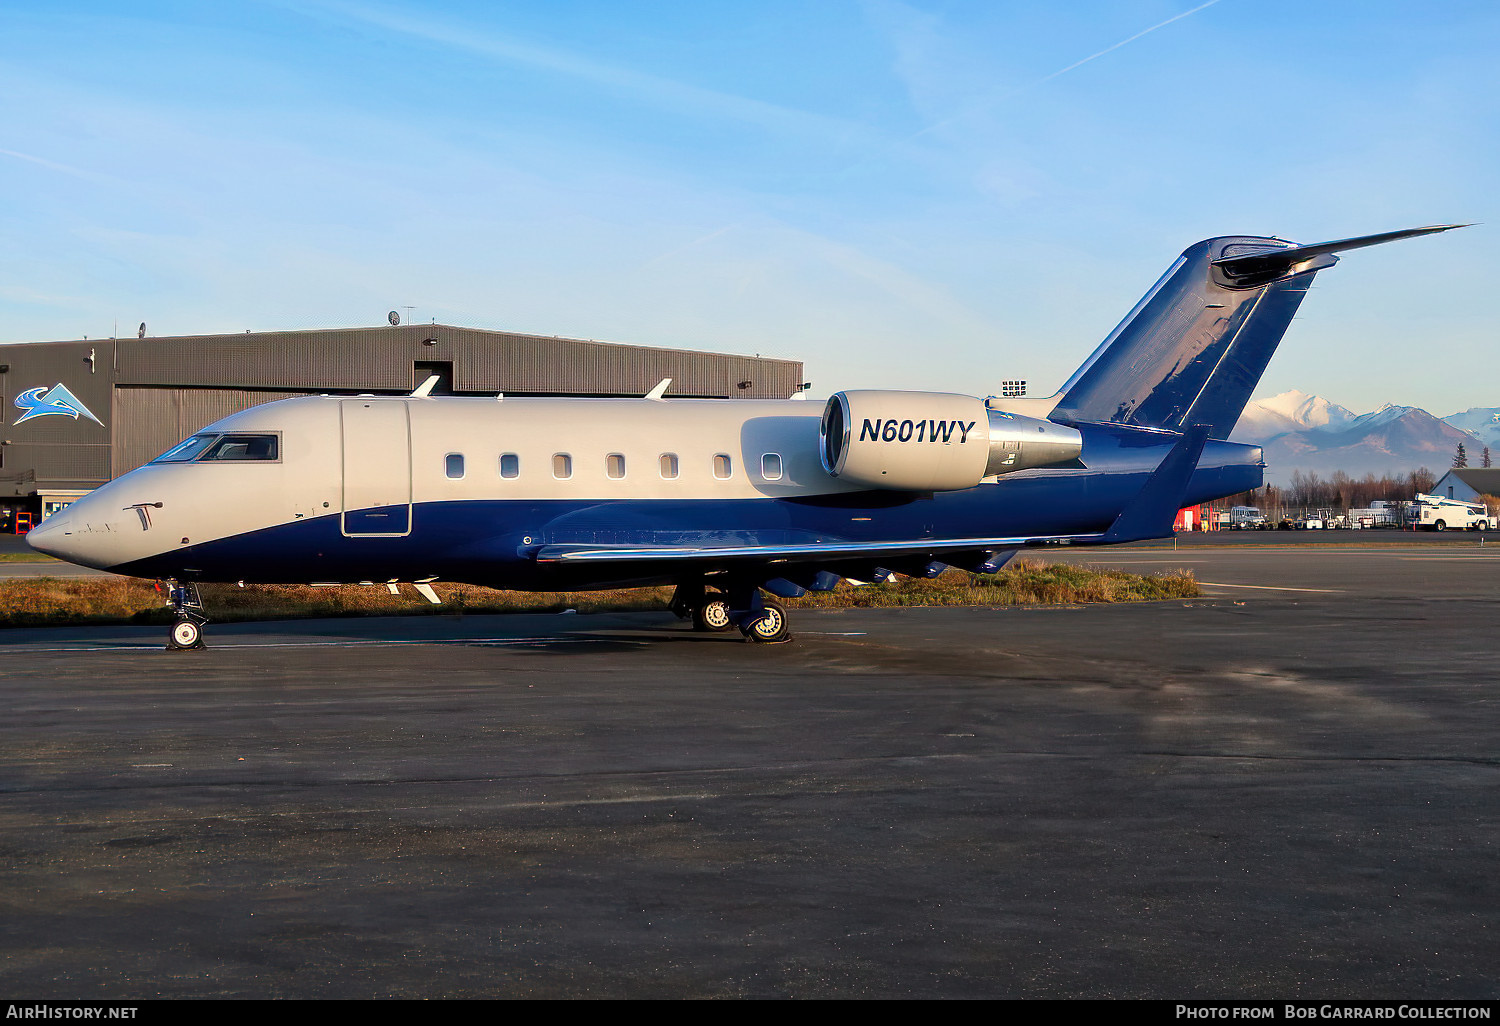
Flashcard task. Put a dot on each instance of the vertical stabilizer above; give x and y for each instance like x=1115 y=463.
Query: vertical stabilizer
x=1193 y=350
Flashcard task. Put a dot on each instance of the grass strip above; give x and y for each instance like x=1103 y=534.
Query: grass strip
x=57 y=601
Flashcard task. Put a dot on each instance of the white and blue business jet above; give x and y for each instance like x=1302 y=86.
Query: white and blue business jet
x=734 y=502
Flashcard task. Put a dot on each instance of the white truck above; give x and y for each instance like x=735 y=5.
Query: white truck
x=1436 y=513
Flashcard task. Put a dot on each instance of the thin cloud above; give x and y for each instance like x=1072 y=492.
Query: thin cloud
x=52 y=165
x=1061 y=71
x=663 y=92
x=677 y=250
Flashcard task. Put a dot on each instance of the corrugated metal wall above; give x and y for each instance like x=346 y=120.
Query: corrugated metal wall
x=381 y=359
x=58 y=464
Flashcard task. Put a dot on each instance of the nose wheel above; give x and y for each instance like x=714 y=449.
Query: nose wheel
x=186 y=634
x=187 y=631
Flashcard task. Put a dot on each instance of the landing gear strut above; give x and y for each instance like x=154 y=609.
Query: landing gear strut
x=187 y=631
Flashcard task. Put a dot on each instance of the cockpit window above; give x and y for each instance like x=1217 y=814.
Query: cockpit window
x=187 y=450
x=224 y=448
x=242 y=448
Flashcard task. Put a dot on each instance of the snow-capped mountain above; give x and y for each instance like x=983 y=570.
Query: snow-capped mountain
x=1306 y=432
x=1481 y=422
x=1290 y=411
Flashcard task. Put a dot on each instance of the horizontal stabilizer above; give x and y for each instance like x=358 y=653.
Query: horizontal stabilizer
x=1151 y=513
x=1273 y=263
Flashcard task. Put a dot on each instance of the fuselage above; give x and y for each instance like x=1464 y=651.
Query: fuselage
x=348 y=489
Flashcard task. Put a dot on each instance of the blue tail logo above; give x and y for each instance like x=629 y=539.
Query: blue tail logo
x=56 y=401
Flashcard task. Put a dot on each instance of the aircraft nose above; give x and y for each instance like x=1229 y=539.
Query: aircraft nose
x=79 y=535
x=47 y=536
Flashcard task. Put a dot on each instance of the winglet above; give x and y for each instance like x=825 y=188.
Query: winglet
x=1151 y=512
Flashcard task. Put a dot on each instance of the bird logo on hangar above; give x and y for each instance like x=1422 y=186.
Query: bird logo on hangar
x=56 y=401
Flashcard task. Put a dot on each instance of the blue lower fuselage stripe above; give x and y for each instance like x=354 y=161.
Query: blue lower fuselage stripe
x=491 y=542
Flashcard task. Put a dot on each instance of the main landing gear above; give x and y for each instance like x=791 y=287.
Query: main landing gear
x=187 y=631
x=759 y=619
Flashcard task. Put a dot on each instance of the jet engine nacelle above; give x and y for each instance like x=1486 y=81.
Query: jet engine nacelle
x=933 y=441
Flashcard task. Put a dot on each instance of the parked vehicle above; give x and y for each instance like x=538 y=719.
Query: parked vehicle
x=1247 y=518
x=1380 y=513
x=1436 y=513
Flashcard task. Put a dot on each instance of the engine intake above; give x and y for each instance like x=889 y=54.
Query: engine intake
x=933 y=441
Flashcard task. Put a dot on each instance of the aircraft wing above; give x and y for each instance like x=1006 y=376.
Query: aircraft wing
x=798 y=553
x=1148 y=515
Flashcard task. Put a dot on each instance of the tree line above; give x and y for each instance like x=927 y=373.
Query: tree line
x=1339 y=491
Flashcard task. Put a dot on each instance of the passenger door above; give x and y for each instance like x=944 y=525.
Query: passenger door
x=376 y=440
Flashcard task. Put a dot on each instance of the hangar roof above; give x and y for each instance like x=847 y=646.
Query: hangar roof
x=383 y=358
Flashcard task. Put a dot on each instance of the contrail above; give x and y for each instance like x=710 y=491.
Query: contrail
x=51 y=165
x=1063 y=71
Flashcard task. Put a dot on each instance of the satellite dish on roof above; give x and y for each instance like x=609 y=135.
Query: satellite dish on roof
x=394 y=318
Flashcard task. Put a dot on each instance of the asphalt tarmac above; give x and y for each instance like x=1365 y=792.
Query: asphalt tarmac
x=1286 y=789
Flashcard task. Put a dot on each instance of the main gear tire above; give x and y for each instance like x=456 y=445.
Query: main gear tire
x=713 y=615
x=771 y=627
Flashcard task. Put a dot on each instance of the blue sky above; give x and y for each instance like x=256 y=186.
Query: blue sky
x=927 y=195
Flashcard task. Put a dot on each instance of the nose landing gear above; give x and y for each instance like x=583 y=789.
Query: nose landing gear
x=187 y=632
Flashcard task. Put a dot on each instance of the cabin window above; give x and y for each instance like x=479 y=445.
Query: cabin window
x=510 y=465
x=669 y=466
x=770 y=466
x=453 y=465
x=614 y=465
x=243 y=448
x=562 y=466
x=723 y=467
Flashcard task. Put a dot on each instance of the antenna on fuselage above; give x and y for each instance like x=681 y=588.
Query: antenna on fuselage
x=424 y=390
x=659 y=392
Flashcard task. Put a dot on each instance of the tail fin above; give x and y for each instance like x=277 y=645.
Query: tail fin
x=1194 y=348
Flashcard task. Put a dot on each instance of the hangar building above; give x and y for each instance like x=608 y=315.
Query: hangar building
x=75 y=414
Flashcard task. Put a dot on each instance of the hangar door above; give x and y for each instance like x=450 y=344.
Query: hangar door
x=377 y=468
